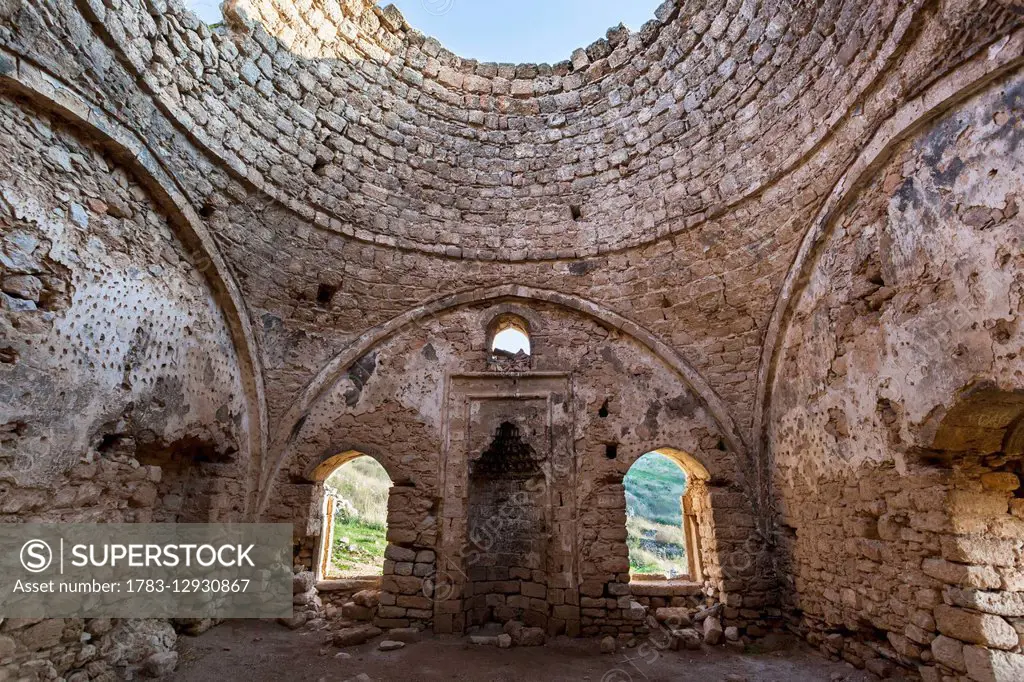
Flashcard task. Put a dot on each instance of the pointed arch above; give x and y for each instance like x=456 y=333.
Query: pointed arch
x=1002 y=58
x=336 y=367
x=46 y=92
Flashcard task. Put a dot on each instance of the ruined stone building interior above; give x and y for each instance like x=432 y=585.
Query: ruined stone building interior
x=777 y=242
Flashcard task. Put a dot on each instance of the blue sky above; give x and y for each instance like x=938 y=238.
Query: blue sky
x=524 y=30
x=495 y=31
x=208 y=10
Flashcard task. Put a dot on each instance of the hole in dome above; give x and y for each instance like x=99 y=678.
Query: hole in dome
x=208 y=11
x=603 y=412
x=325 y=293
x=207 y=210
x=611 y=450
x=576 y=212
x=528 y=31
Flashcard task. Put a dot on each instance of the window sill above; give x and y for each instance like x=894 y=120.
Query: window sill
x=665 y=587
x=353 y=584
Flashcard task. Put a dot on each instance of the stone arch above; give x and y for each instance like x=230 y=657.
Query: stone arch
x=49 y=93
x=318 y=471
x=695 y=507
x=360 y=347
x=299 y=491
x=691 y=466
x=506 y=321
x=523 y=316
x=322 y=506
x=984 y=420
x=910 y=119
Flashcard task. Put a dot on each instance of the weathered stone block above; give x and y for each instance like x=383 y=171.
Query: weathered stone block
x=998 y=603
x=303 y=582
x=368 y=598
x=713 y=632
x=399 y=554
x=975 y=628
x=980 y=550
x=986 y=665
x=961 y=574
x=356 y=635
x=354 y=611
x=673 y=616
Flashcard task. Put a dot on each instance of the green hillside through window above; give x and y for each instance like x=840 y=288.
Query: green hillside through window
x=654 y=519
x=360 y=489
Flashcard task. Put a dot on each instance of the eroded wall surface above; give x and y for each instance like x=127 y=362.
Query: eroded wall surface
x=120 y=396
x=333 y=145
x=915 y=298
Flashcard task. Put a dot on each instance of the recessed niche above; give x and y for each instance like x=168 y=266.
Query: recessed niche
x=325 y=294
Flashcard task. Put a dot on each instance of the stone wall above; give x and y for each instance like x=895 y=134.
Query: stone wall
x=403 y=142
x=899 y=510
x=713 y=271
x=426 y=405
x=279 y=240
x=122 y=399
x=106 y=317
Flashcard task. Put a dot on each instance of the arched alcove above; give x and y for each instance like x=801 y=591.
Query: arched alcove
x=985 y=420
x=127 y=161
x=508 y=531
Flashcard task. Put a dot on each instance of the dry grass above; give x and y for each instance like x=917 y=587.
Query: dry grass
x=365 y=485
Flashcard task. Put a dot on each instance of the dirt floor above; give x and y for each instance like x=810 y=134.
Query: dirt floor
x=255 y=651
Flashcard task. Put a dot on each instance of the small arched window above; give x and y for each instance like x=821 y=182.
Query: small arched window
x=654 y=517
x=354 y=515
x=666 y=500
x=510 y=335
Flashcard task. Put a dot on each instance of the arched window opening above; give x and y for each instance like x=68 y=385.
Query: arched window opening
x=509 y=342
x=512 y=341
x=655 y=487
x=355 y=512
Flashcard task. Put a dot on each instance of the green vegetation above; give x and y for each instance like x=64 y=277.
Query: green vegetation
x=654 y=519
x=358 y=548
x=360 y=489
